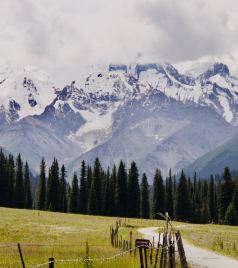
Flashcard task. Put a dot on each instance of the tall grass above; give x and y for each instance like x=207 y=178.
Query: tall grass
x=62 y=236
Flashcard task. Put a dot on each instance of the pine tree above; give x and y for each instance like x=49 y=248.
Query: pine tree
x=83 y=190
x=195 y=200
x=205 y=204
x=89 y=179
x=52 y=191
x=183 y=203
x=216 y=205
x=74 y=196
x=19 y=188
x=133 y=199
x=235 y=197
x=212 y=205
x=230 y=215
x=145 y=204
x=226 y=193
x=169 y=196
x=97 y=181
x=158 y=200
x=41 y=188
x=112 y=186
x=27 y=188
x=106 y=194
x=92 y=201
x=3 y=181
x=11 y=174
x=63 y=191
x=121 y=191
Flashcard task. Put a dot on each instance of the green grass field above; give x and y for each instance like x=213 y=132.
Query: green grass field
x=62 y=236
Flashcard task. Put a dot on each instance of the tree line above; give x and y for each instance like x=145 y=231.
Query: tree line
x=120 y=192
x=15 y=185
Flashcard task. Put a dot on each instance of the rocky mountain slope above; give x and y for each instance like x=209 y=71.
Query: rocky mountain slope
x=150 y=113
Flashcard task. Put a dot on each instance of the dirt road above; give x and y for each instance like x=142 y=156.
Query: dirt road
x=196 y=256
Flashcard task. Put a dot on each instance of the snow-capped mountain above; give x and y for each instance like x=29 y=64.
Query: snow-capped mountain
x=23 y=92
x=150 y=113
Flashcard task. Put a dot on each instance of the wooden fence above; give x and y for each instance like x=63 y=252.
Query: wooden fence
x=156 y=254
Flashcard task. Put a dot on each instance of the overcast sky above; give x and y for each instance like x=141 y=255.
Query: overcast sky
x=62 y=35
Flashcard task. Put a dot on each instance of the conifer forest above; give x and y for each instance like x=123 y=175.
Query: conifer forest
x=119 y=192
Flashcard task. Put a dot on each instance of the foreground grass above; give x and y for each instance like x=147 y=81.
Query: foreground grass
x=62 y=236
x=222 y=239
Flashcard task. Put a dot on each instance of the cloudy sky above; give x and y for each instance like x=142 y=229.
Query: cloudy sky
x=60 y=36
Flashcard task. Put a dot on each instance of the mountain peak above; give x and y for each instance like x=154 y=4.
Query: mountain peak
x=216 y=69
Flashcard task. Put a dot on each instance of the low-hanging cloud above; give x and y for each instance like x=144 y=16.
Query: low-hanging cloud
x=61 y=35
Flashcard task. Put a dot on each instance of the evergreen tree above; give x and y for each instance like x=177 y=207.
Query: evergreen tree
x=212 y=205
x=3 y=181
x=41 y=188
x=183 y=203
x=106 y=194
x=97 y=181
x=27 y=188
x=83 y=191
x=112 y=186
x=63 y=191
x=92 y=201
x=145 y=204
x=230 y=215
x=89 y=179
x=11 y=174
x=195 y=200
x=133 y=199
x=121 y=191
x=158 y=200
x=205 y=204
x=216 y=205
x=235 y=197
x=169 y=196
x=226 y=194
x=74 y=196
x=19 y=188
x=52 y=191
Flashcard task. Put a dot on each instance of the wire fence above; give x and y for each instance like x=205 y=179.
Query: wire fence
x=117 y=253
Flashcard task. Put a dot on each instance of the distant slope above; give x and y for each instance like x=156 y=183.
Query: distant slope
x=165 y=134
x=215 y=161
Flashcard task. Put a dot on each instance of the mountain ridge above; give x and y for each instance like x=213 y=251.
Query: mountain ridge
x=83 y=116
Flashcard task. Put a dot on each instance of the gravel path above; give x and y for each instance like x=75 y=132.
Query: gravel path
x=196 y=256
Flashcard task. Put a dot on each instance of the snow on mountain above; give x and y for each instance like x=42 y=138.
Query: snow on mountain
x=144 y=112
x=24 y=91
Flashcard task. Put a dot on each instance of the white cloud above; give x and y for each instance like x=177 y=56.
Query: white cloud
x=61 y=35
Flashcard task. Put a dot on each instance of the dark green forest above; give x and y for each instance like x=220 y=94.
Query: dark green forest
x=119 y=192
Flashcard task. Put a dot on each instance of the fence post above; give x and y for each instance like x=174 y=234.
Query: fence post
x=165 y=249
x=171 y=245
x=141 y=258
x=157 y=252
x=151 y=254
x=22 y=261
x=51 y=262
x=173 y=250
x=181 y=250
x=130 y=242
x=145 y=253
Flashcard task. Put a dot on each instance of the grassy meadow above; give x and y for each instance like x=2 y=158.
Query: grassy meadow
x=62 y=236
